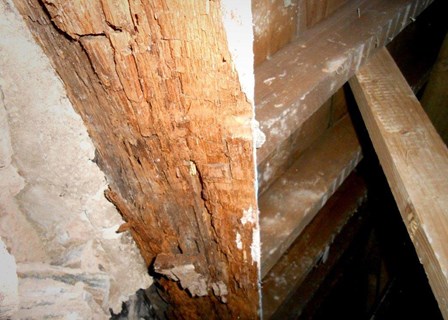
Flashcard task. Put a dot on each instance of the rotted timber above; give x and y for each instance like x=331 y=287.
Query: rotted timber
x=155 y=85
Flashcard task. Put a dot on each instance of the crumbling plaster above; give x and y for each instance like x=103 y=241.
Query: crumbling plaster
x=54 y=218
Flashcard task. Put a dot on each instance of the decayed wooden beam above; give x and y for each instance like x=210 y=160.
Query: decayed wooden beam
x=414 y=159
x=155 y=84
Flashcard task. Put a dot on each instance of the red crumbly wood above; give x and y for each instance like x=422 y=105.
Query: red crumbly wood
x=155 y=86
x=414 y=159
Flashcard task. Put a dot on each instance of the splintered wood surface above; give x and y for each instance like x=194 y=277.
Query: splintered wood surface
x=295 y=198
x=312 y=246
x=298 y=79
x=414 y=159
x=162 y=102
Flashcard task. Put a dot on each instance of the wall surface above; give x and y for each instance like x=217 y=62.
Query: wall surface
x=54 y=218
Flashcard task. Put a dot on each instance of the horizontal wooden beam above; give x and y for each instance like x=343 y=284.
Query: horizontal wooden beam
x=414 y=159
x=295 y=198
x=313 y=245
x=297 y=80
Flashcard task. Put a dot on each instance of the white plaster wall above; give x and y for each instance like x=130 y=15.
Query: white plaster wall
x=54 y=218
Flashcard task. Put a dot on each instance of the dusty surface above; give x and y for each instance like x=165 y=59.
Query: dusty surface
x=164 y=105
x=52 y=207
x=9 y=298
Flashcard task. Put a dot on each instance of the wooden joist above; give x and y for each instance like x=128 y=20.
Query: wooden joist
x=414 y=159
x=297 y=80
x=278 y=22
x=313 y=245
x=295 y=198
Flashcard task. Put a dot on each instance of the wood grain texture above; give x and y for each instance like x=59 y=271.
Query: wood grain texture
x=292 y=148
x=414 y=159
x=313 y=243
x=155 y=84
x=312 y=12
x=291 y=86
x=275 y=25
x=295 y=198
x=333 y=110
x=278 y=22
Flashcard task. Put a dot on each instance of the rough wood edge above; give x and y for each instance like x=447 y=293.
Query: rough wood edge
x=414 y=159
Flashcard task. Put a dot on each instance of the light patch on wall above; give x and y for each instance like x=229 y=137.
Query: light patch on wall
x=237 y=19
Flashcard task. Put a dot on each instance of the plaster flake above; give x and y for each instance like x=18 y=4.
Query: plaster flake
x=249 y=215
x=255 y=247
x=188 y=278
x=239 y=244
x=335 y=65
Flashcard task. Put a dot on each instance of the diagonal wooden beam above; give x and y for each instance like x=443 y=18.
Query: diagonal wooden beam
x=414 y=159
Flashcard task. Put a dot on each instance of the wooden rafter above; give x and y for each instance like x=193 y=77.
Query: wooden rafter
x=414 y=159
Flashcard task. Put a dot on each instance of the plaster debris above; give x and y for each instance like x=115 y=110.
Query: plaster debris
x=239 y=244
x=193 y=170
x=255 y=248
x=249 y=215
x=188 y=279
x=220 y=290
x=260 y=137
x=268 y=81
x=52 y=193
x=334 y=65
